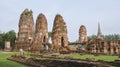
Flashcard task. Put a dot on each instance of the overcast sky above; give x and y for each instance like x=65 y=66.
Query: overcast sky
x=74 y=12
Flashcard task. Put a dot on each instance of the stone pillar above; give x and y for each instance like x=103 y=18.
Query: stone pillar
x=94 y=50
x=7 y=45
x=99 y=45
x=117 y=51
x=105 y=50
x=111 y=50
x=105 y=47
x=21 y=52
x=111 y=47
x=117 y=47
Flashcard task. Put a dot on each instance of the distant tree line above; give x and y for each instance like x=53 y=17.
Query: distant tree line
x=107 y=37
x=8 y=36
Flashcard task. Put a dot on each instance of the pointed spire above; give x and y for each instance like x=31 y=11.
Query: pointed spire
x=99 y=29
x=99 y=34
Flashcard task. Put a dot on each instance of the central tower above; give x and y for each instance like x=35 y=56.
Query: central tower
x=59 y=33
x=41 y=33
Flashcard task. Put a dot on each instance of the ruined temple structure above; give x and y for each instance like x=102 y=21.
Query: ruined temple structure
x=41 y=34
x=82 y=34
x=101 y=46
x=37 y=39
x=104 y=47
x=26 y=31
x=59 y=33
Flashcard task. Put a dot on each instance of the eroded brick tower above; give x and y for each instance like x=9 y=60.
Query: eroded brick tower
x=41 y=33
x=59 y=33
x=82 y=34
x=26 y=30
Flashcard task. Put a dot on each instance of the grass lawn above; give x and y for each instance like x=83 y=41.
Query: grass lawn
x=7 y=63
x=101 y=57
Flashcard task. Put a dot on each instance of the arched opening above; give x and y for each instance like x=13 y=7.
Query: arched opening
x=44 y=41
x=62 y=42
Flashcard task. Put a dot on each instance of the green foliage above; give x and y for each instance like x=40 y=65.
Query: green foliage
x=112 y=37
x=50 y=34
x=2 y=40
x=107 y=37
x=28 y=12
x=9 y=36
x=101 y=57
x=92 y=37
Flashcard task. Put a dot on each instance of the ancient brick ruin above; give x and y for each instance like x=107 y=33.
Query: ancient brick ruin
x=104 y=47
x=82 y=34
x=26 y=30
x=59 y=33
x=41 y=34
x=37 y=39
x=101 y=46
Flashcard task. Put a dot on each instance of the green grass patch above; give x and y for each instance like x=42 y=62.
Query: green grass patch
x=7 y=63
x=101 y=57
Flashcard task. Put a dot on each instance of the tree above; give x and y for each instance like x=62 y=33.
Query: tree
x=50 y=34
x=112 y=37
x=92 y=37
x=10 y=36
x=2 y=40
x=107 y=37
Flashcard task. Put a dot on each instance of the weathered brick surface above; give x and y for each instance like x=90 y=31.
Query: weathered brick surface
x=59 y=33
x=41 y=33
x=26 y=30
x=82 y=34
